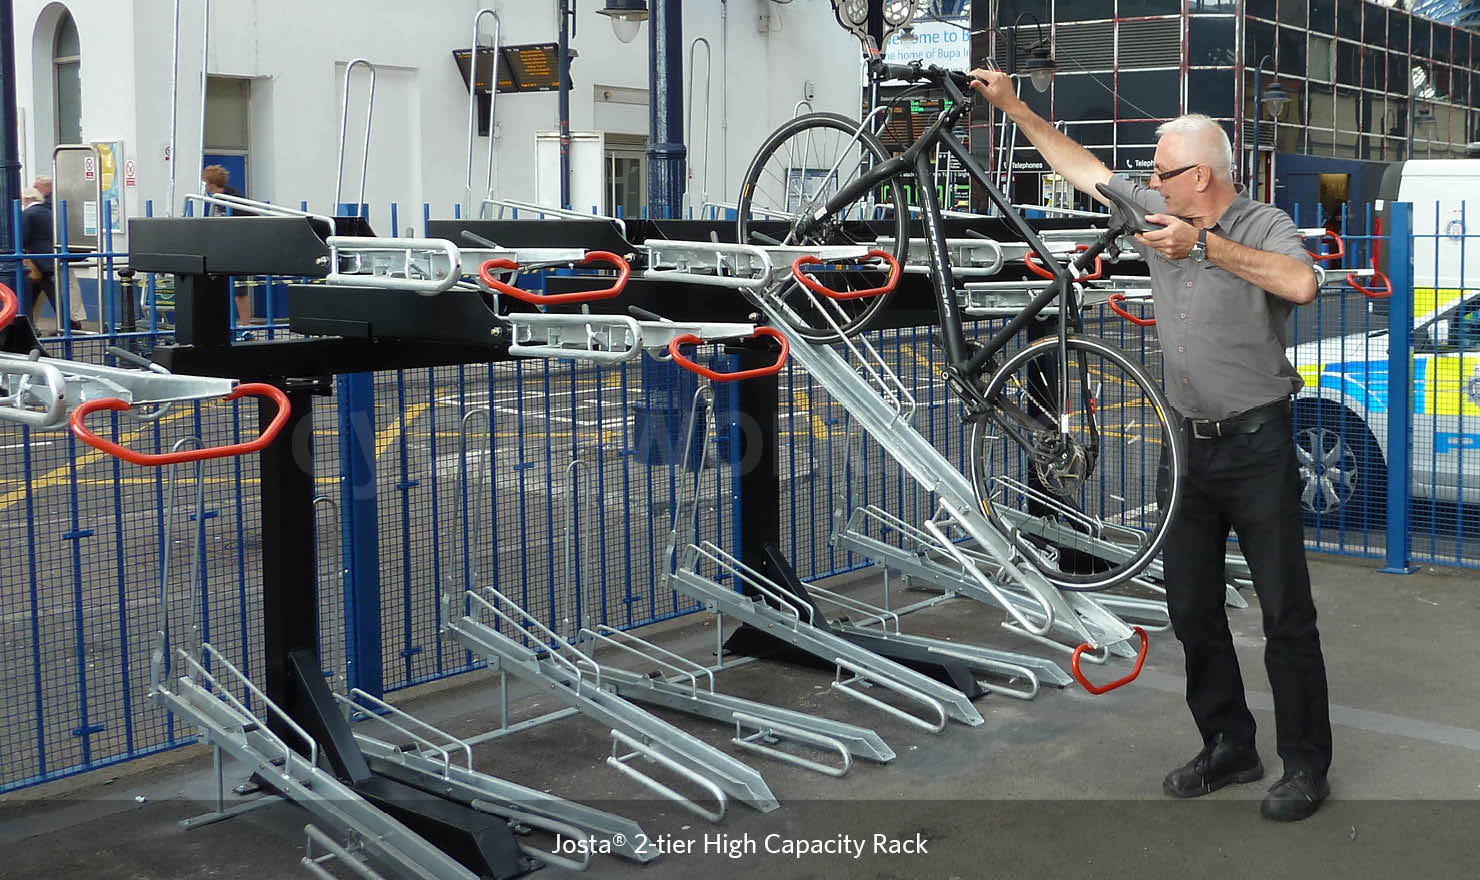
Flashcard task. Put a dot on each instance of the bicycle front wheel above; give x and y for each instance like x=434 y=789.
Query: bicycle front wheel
x=1086 y=490
x=799 y=167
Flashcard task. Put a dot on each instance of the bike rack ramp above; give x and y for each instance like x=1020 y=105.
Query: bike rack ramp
x=778 y=613
x=578 y=681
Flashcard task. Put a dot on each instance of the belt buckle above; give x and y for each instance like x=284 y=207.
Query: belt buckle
x=1199 y=424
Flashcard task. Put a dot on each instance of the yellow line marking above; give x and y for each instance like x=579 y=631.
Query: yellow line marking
x=59 y=475
x=384 y=439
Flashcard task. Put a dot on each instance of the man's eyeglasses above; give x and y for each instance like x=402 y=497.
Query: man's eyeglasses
x=1164 y=176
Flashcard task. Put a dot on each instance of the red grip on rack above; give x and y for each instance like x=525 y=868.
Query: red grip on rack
x=1030 y=259
x=711 y=375
x=1383 y=289
x=254 y=389
x=1114 y=303
x=485 y=274
x=1336 y=255
x=10 y=305
x=1102 y=689
x=818 y=287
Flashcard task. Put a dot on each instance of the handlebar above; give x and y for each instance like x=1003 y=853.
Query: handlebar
x=818 y=287
x=10 y=305
x=485 y=274
x=255 y=389
x=1106 y=688
x=713 y=376
x=954 y=82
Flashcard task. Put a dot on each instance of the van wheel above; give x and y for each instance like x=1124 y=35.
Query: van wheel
x=1342 y=475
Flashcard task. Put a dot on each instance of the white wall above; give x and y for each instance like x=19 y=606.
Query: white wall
x=295 y=53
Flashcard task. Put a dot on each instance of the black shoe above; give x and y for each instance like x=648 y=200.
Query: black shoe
x=1296 y=796
x=77 y=325
x=1215 y=766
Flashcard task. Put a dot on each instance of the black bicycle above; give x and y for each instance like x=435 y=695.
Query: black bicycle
x=1073 y=452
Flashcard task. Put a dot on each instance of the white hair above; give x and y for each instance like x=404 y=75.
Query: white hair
x=1208 y=135
x=30 y=195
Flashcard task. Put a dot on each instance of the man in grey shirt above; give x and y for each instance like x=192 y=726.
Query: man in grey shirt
x=1226 y=272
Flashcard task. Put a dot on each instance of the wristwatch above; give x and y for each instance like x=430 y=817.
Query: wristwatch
x=1199 y=251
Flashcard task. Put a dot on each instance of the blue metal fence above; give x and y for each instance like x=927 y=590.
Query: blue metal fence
x=557 y=483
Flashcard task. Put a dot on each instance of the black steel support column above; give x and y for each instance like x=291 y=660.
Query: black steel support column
x=567 y=18
x=290 y=610
x=10 y=164
x=760 y=485
x=666 y=152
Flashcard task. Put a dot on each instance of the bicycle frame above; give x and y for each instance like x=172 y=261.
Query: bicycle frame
x=964 y=360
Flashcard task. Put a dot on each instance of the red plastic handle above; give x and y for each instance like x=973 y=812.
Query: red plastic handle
x=485 y=274
x=1114 y=302
x=1335 y=255
x=1383 y=289
x=1103 y=689
x=1030 y=259
x=254 y=389
x=818 y=287
x=10 y=305
x=711 y=375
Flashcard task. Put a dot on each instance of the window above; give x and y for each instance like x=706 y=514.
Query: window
x=1348 y=63
x=1210 y=92
x=66 y=60
x=1210 y=42
x=1292 y=12
x=1260 y=8
x=1322 y=58
x=1323 y=16
x=1292 y=51
x=1150 y=94
x=1349 y=20
x=1397 y=31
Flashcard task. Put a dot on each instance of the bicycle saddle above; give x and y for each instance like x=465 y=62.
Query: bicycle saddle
x=1130 y=216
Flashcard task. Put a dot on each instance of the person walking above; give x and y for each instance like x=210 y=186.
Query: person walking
x=36 y=238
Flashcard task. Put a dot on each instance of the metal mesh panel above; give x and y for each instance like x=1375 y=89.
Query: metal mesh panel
x=81 y=606
x=565 y=505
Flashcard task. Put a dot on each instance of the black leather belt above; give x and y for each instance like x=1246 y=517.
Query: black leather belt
x=1244 y=423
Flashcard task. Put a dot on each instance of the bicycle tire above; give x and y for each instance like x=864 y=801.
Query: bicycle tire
x=1116 y=480
x=776 y=185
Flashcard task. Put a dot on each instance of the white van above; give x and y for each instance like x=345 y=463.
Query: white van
x=1341 y=414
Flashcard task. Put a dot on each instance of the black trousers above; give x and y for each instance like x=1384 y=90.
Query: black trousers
x=1251 y=483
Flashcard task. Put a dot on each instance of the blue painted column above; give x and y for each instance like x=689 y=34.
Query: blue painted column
x=359 y=531
x=10 y=165
x=1400 y=389
x=666 y=152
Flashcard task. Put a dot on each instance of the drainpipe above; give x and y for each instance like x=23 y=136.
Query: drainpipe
x=666 y=153
x=10 y=165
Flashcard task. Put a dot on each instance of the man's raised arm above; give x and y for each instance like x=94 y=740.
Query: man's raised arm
x=1074 y=163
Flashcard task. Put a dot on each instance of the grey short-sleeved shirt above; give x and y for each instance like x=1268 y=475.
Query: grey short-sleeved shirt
x=1223 y=339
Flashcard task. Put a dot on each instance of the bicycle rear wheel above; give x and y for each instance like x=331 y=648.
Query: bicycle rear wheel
x=796 y=170
x=1085 y=491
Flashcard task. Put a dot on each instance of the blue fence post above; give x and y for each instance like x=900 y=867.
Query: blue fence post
x=1400 y=389
x=359 y=531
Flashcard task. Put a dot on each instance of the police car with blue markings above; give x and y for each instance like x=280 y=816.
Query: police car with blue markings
x=1341 y=415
